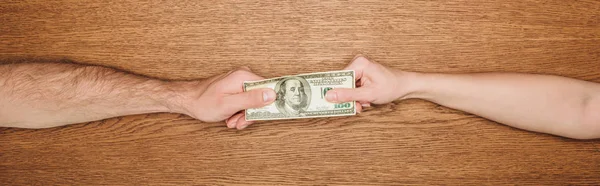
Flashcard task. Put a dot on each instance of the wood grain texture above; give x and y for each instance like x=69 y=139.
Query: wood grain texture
x=409 y=142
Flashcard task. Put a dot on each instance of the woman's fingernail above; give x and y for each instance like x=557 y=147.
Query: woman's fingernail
x=331 y=96
x=365 y=105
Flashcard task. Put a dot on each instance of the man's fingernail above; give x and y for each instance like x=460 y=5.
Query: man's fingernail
x=268 y=95
x=331 y=96
x=265 y=96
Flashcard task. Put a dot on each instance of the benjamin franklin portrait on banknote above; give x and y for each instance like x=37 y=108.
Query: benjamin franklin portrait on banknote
x=293 y=96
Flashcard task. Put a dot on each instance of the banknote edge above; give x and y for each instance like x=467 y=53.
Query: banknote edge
x=353 y=75
x=271 y=119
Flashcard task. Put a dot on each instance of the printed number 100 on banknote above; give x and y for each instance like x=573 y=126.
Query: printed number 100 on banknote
x=303 y=96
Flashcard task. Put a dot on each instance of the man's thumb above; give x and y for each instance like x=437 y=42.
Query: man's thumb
x=252 y=99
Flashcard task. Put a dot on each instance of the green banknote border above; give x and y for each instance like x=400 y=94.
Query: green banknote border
x=308 y=76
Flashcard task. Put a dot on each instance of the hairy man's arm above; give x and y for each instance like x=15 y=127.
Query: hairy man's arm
x=41 y=95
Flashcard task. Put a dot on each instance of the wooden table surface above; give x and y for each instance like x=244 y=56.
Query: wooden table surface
x=408 y=142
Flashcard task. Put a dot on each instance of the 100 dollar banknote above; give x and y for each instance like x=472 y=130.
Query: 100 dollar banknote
x=303 y=96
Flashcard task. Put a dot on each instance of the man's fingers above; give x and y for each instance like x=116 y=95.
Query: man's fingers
x=340 y=95
x=364 y=104
x=232 y=121
x=242 y=123
x=251 y=99
x=238 y=121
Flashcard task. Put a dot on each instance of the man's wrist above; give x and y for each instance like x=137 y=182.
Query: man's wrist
x=181 y=94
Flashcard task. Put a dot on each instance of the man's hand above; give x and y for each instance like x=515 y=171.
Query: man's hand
x=43 y=95
x=222 y=96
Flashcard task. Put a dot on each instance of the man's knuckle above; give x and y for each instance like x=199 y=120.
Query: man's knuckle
x=240 y=73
